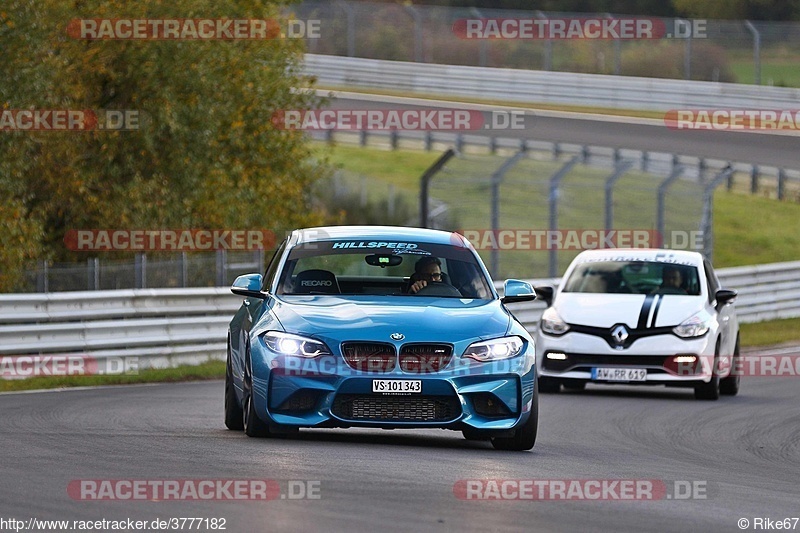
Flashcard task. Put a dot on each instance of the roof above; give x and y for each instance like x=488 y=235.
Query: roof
x=396 y=233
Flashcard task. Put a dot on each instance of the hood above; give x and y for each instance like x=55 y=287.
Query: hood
x=366 y=318
x=637 y=311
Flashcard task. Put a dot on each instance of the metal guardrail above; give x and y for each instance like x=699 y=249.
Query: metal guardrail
x=618 y=92
x=167 y=327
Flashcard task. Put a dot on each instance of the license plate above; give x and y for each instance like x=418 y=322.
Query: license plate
x=619 y=374
x=413 y=386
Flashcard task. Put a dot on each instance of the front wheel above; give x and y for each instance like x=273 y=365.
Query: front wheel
x=525 y=436
x=252 y=424
x=729 y=386
x=234 y=417
x=710 y=390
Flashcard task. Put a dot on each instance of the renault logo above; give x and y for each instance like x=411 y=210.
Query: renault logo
x=620 y=335
x=397 y=336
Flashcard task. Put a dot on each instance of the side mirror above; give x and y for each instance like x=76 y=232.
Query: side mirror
x=545 y=292
x=724 y=297
x=248 y=285
x=515 y=290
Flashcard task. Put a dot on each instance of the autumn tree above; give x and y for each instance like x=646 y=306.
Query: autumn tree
x=205 y=153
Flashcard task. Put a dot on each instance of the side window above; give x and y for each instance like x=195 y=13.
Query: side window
x=272 y=267
x=713 y=282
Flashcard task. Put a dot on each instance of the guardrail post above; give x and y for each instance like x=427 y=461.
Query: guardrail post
x=555 y=183
x=621 y=168
x=645 y=158
x=362 y=138
x=754 y=180
x=707 y=221
x=424 y=185
x=329 y=136
x=701 y=170
x=556 y=151
x=496 y=180
x=428 y=141
x=585 y=154
x=393 y=139
x=781 y=183
x=140 y=271
x=460 y=143
x=661 y=201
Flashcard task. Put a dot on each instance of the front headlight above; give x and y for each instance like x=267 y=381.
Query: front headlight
x=553 y=324
x=495 y=349
x=288 y=344
x=694 y=326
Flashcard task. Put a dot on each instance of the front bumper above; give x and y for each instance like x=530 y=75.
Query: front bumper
x=579 y=354
x=492 y=397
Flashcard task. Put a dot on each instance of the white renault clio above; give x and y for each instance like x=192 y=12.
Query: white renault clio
x=635 y=316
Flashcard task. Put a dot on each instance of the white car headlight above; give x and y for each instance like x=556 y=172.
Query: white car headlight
x=495 y=349
x=288 y=344
x=694 y=326
x=553 y=324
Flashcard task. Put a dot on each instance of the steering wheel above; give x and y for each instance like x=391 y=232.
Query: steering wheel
x=438 y=289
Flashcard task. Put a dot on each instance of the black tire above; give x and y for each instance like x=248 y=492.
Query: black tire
x=729 y=386
x=234 y=416
x=710 y=390
x=252 y=424
x=548 y=385
x=475 y=434
x=574 y=385
x=525 y=437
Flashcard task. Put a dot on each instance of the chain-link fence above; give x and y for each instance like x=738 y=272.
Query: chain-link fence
x=713 y=50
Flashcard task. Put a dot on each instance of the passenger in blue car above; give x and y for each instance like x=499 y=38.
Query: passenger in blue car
x=426 y=270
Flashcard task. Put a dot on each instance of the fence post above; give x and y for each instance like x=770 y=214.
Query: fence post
x=184 y=270
x=42 y=284
x=555 y=183
x=482 y=50
x=351 y=27
x=93 y=273
x=418 y=56
x=687 y=55
x=548 y=45
x=496 y=180
x=756 y=50
x=707 y=221
x=617 y=50
x=661 y=200
x=754 y=180
x=424 y=185
x=781 y=183
x=621 y=168
x=140 y=271
x=221 y=260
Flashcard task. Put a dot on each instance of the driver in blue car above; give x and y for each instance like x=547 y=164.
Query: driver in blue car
x=426 y=270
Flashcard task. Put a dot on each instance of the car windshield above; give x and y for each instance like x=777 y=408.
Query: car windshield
x=381 y=268
x=634 y=277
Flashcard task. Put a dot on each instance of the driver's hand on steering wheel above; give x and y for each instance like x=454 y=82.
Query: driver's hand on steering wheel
x=417 y=286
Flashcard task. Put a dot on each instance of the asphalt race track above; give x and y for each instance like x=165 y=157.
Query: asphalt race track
x=651 y=135
x=742 y=452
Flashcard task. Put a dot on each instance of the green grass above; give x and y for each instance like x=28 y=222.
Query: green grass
x=779 y=73
x=204 y=371
x=770 y=333
x=747 y=229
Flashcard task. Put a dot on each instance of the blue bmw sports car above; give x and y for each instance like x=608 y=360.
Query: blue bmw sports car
x=380 y=327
